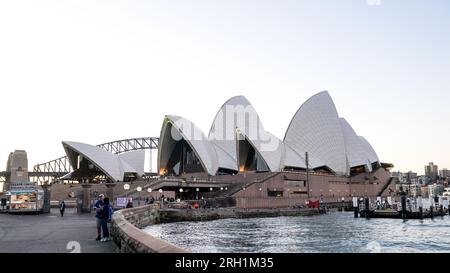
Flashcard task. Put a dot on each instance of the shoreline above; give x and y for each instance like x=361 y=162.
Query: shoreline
x=127 y=225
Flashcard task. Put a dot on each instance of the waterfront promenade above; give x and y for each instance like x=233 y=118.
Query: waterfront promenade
x=50 y=233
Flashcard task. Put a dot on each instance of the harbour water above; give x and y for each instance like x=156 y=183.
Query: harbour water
x=330 y=233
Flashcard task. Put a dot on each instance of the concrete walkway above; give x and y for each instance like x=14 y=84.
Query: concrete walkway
x=51 y=233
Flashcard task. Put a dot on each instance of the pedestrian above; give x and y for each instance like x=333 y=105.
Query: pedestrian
x=62 y=207
x=97 y=207
x=105 y=216
x=129 y=204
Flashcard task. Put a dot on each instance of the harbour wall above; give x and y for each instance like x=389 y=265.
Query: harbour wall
x=127 y=224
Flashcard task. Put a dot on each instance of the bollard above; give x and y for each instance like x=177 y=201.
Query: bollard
x=356 y=206
x=431 y=212
x=421 y=213
x=441 y=207
x=366 y=207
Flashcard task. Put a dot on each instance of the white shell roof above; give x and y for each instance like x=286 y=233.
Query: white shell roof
x=197 y=140
x=133 y=161
x=373 y=157
x=225 y=160
x=114 y=166
x=238 y=113
x=315 y=128
x=269 y=147
x=235 y=112
x=356 y=152
x=292 y=159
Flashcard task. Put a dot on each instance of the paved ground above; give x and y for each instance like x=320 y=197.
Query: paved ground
x=50 y=233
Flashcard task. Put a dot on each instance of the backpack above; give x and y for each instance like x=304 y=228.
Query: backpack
x=104 y=212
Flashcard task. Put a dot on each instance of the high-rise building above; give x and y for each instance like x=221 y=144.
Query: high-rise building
x=444 y=173
x=431 y=171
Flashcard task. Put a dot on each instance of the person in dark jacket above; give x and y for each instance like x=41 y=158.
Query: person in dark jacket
x=62 y=207
x=97 y=207
x=129 y=204
x=105 y=214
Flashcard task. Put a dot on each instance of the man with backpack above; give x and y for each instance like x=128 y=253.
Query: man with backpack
x=106 y=212
x=97 y=207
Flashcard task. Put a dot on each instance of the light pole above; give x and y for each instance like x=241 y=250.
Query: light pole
x=197 y=190
x=139 y=189
x=126 y=187
x=181 y=194
x=307 y=173
x=149 y=190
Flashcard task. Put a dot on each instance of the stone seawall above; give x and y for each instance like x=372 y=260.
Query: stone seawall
x=127 y=224
x=129 y=238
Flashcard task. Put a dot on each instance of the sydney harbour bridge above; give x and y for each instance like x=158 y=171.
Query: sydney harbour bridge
x=50 y=171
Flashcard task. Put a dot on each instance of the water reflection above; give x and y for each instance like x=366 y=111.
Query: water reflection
x=334 y=232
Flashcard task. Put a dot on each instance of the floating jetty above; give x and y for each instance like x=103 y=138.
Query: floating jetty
x=407 y=208
x=395 y=214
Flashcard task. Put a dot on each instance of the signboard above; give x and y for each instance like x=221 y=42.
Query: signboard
x=121 y=201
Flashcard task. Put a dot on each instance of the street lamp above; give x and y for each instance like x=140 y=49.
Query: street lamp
x=149 y=190
x=160 y=192
x=126 y=187
x=181 y=194
x=139 y=189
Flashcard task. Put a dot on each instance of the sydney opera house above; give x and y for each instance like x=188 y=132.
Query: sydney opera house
x=321 y=156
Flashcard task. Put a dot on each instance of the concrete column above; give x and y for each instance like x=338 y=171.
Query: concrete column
x=110 y=192
x=86 y=207
x=47 y=197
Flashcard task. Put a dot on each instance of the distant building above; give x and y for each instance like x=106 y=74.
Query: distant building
x=435 y=189
x=444 y=173
x=17 y=167
x=431 y=171
x=409 y=177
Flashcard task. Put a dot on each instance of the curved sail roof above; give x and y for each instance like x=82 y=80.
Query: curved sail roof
x=112 y=165
x=269 y=147
x=194 y=137
x=133 y=161
x=316 y=129
x=373 y=157
x=292 y=159
x=235 y=113
x=356 y=152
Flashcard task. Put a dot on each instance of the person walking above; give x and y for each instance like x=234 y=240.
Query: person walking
x=97 y=207
x=62 y=207
x=105 y=216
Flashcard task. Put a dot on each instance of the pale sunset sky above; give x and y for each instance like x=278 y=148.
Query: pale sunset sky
x=98 y=71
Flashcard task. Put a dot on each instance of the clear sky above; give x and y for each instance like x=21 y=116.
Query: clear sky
x=97 y=71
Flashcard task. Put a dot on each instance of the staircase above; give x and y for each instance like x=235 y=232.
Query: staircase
x=386 y=186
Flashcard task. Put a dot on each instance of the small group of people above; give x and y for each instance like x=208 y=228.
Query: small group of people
x=150 y=200
x=103 y=213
